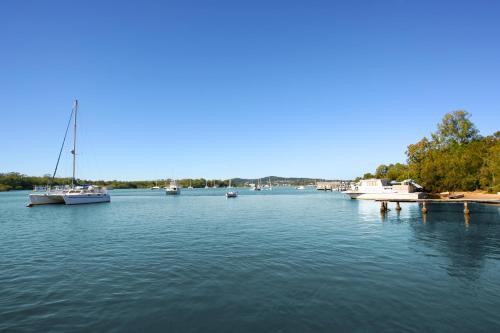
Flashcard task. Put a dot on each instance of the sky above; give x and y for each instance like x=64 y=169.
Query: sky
x=220 y=89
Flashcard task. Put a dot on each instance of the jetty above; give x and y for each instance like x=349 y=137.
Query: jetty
x=384 y=203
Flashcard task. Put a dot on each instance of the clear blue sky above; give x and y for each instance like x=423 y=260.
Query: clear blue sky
x=218 y=89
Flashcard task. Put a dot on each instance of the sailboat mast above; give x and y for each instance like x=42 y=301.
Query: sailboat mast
x=74 y=144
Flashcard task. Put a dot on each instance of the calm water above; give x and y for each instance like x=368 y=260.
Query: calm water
x=278 y=261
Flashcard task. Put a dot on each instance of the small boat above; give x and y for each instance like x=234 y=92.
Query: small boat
x=300 y=187
x=74 y=194
x=156 y=187
x=173 y=189
x=206 y=183
x=190 y=185
x=231 y=194
x=256 y=187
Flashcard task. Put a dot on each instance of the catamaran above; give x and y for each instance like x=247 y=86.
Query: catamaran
x=69 y=195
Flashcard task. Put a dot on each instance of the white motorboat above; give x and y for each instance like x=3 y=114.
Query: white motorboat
x=79 y=195
x=300 y=187
x=231 y=194
x=173 y=188
x=378 y=189
x=190 y=185
x=156 y=187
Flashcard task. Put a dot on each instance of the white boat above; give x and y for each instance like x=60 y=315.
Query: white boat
x=156 y=187
x=74 y=194
x=85 y=195
x=231 y=194
x=269 y=186
x=206 y=183
x=190 y=185
x=173 y=188
x=229 y=186
x=257 y=187
x=45 y=195
x=300 y=187
x=378 y=189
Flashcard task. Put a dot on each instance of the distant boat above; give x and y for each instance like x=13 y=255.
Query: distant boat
x=269 y=186
x=156 y=187
x=190 y=185
x=231 y=194
x=206 y=183
x=256 y=187
x=229 y=186
x=300 y=187
x=74 y=194
x=173 y=188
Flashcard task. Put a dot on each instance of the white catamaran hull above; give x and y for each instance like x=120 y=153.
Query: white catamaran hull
x=46 y=199
x=86 y=199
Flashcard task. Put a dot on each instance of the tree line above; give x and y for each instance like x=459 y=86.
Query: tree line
x=455 y=158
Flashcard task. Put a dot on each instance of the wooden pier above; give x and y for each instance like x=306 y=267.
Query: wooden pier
x=384 y=203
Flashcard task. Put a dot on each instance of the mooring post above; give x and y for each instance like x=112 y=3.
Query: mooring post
x=398 y=207
x=382 y=207
x=466 y=208
x=424 y=207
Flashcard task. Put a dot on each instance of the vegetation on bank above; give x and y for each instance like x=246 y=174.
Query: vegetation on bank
x=455 y=158
x=16 y=181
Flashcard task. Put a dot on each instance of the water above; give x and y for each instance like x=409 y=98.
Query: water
x=270 y=261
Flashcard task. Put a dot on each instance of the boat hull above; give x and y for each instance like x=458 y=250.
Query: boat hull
x=173 y=192
x=386 y=196
x=86 y=199
x=45 y=199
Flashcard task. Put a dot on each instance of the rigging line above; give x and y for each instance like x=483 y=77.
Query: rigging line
x=62 y=146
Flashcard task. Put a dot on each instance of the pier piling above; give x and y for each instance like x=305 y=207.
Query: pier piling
x=466 y=208
x=424 y=208
x=398 y=207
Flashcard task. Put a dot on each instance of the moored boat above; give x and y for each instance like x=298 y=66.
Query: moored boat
x=74 y=194
x=173 y=188
x=231 y=194
x=86 y=195
x=379 y=189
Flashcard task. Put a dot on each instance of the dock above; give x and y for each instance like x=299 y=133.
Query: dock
x=384 y=203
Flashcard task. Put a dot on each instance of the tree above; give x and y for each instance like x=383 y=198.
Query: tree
x=368 y=176
x=455 y=128
x=381 y=171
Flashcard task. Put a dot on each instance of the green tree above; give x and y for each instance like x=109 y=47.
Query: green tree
x=455 y=128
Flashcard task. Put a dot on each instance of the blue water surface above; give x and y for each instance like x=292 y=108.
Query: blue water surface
x=270 y=261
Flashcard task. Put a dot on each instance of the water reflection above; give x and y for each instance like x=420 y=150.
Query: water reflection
x=466 y=240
